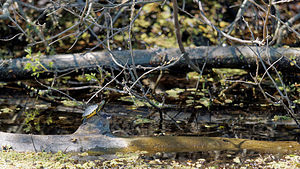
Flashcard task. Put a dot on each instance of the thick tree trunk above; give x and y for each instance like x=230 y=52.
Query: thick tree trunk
x=229 y=57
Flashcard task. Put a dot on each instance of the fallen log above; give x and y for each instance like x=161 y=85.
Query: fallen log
x=215 y=57
x=94 y=136
x=106 y=144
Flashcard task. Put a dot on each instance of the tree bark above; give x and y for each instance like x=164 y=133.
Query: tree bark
x=215 y=57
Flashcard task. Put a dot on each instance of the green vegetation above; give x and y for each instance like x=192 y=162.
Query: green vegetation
x=32 y=121
x=36 y=67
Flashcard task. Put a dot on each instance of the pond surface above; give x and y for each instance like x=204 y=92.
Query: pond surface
x=236 y=111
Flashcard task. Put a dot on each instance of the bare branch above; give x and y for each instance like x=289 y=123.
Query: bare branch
x=178 y=37
x=286 y=24
x=224 y=34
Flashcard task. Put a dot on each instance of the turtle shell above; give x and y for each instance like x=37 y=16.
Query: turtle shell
x=90 y=110
x=93 y=109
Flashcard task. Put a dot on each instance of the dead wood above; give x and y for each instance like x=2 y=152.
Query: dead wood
x=228 y=57
x=94 y=136
x=105 y=144
x=55 y=143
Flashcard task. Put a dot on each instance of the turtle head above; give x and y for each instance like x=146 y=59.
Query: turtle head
x=100 y=107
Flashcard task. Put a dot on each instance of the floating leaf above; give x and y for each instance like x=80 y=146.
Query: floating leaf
x=228 y=101
x=174 y=92
x=69 y=103
x=205 y=101
x=6 y=110
x=142 y=121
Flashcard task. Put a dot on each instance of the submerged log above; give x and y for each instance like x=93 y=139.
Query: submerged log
x=216 y=57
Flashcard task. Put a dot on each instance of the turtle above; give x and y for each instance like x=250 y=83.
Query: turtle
x=92 y=124
x=92 y=110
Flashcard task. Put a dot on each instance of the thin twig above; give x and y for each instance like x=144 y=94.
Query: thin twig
x=224 y=34
x=178 y=37
x=104 y=86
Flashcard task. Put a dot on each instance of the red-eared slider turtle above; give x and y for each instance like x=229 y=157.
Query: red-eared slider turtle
x=92 y=110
